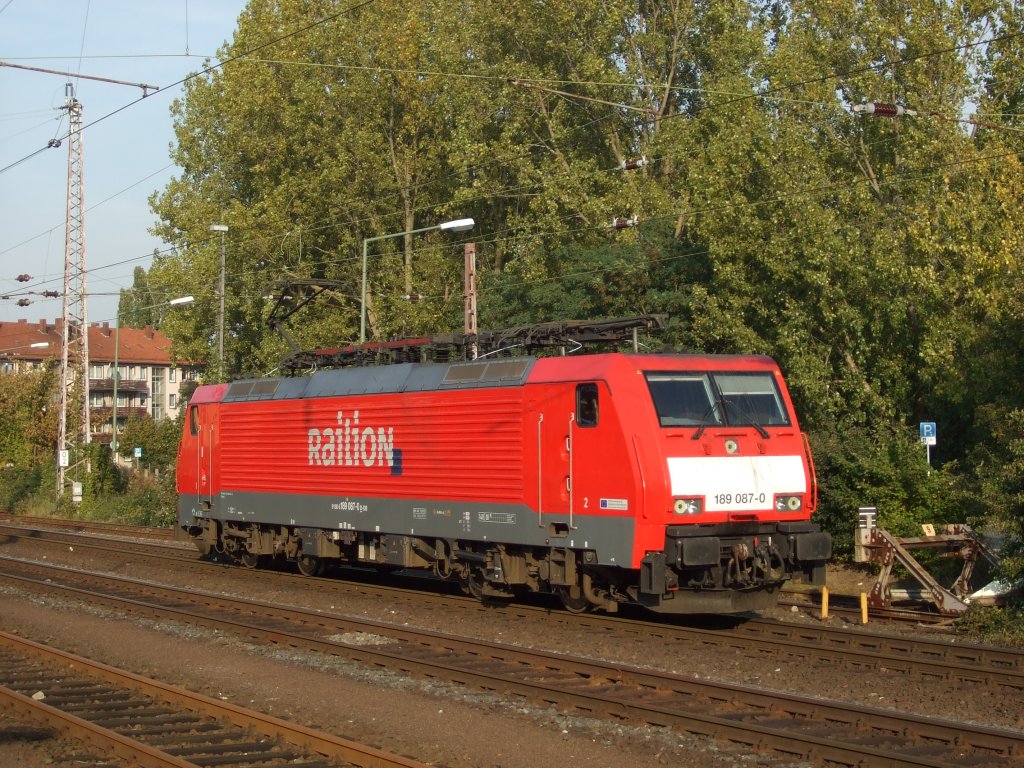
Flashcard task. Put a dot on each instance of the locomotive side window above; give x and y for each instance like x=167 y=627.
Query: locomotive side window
x=684 y=399
x=586 y=405
x=193 y=419
x=752 y=398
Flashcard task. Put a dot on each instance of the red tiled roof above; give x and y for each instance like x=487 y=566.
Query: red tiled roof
x=134 y=345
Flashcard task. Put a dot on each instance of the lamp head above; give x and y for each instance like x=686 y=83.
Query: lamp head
x=458 y=225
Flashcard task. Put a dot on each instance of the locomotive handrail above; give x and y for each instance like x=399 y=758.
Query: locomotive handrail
x=643 y=478
x=540 y=474
x=572 y=422
x=814 y=472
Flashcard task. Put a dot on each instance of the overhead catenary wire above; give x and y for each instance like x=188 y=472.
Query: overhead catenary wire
x=331 y=223
x=207 y=70
x=748 y=96
x=525 y=81
x=822 y=190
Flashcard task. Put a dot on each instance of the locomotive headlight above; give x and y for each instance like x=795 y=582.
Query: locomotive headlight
x=687 y=507
x=788 y=503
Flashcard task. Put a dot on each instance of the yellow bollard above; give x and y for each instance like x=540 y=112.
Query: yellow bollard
x=863 y=607
x=824 y=603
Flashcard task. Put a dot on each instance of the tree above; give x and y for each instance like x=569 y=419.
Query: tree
x=877 y=260
x=157 y=439
x=28 y=418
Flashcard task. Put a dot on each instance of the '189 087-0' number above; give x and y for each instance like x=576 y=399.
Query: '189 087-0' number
x=740 y=498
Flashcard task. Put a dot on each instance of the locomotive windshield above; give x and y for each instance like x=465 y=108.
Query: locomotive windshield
x=709 y=399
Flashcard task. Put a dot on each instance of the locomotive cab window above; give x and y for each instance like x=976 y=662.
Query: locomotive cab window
x=193 y=419
x=752 y=398
x=586 y=405
x=684 y=399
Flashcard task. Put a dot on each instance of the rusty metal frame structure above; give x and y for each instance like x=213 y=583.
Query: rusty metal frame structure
x=880 y=547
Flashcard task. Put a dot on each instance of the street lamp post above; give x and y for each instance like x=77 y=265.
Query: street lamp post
x=17 y=350
x=223 y=229
x=458 y=225
x=117 y=346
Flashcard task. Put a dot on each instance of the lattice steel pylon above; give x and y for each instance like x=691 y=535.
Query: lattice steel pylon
x=74 y=356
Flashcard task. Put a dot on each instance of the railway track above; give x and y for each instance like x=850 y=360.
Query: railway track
x=913 y=657
x=787 y=726
x=979 y=665
x=154 y=725
x=801 y=599
x=89 y=526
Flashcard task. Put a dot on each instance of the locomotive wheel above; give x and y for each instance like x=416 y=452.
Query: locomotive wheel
x=249 y=560
x=310 y=565
x=572 y=604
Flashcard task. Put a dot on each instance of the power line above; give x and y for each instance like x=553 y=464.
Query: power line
x=744 y=97
x=205 y=71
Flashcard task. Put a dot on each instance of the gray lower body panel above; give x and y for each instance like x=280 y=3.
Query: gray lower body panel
x=609 y=537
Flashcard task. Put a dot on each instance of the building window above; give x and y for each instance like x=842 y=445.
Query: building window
x=172 y=375
x=97 y=371
x=172 y=402
x=158 y=411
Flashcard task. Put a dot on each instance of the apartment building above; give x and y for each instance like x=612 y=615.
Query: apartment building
x=146 y=379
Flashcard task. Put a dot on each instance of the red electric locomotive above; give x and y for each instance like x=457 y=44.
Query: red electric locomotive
x=679 y=482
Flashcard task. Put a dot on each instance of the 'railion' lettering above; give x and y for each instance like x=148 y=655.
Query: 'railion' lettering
x=349 y=445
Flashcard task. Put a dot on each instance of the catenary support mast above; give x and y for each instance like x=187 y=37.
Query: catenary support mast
x=74 y=356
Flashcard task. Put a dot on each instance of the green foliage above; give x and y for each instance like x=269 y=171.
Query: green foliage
x=146 y=500
x=881 y=468
x=157 y=439
x=877 y=260
x=1005 y=627
x=28 y=418
x=16 y=484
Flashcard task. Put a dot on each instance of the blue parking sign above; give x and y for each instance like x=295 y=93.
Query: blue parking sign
x=929 y=434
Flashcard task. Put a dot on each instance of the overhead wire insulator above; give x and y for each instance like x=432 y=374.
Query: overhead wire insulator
x=23 y=302
x=623 y=223
x=51 y=294
x=883 y=110
x=632 y=165
x=23 y=278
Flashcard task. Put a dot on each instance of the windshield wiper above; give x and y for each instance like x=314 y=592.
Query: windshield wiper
x=704 y=421
x=760 y=430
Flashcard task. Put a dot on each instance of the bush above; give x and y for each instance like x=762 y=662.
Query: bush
x=17 y=483
x=883 y=468
x=1005 y=626
x=146 y=501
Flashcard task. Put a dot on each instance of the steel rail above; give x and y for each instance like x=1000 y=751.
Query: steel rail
x=111 y=706
x=88 y=525
x=841 y=604
x=972 y=663
x=809 y=728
